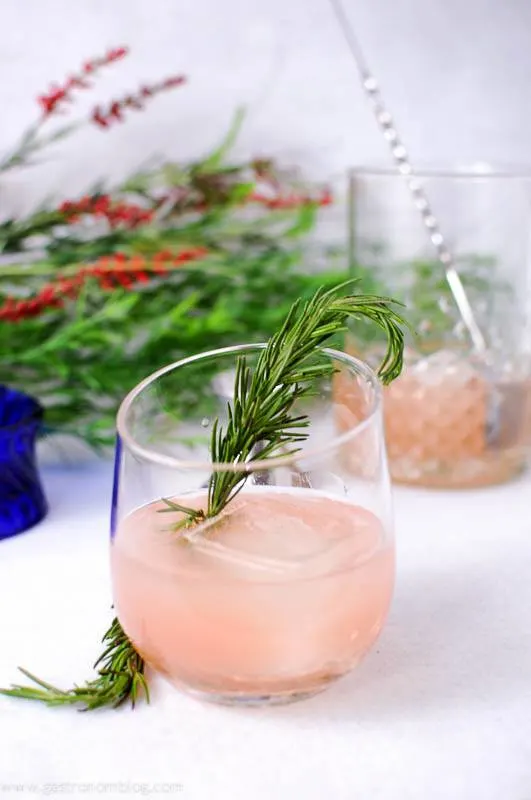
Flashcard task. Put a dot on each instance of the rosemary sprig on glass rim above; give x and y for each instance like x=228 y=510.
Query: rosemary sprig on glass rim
x=261 y=411
x=260 y=416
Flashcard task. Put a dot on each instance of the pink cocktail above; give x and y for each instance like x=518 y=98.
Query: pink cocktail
x=284 y=594
x=437 y=418
x=289 y=586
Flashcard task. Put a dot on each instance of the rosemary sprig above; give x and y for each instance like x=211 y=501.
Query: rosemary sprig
x=120 y=677
x=260 y=415
x=192 y=515
x=260 y=418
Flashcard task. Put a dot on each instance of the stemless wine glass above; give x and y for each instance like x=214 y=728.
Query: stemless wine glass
x=289 y=586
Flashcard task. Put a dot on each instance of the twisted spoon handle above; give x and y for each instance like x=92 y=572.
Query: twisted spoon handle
x=401 y=159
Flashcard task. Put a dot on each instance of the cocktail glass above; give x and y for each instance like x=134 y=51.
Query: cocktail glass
x=287 y=589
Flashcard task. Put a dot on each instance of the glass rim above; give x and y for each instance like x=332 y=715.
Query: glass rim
x=153 y=456
x=476 y=171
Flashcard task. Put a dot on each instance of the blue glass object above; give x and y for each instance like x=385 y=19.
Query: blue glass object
x=22 y=500
x=116 y=485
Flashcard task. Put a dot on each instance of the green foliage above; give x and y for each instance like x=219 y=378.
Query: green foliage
x=81 y=359
x=94 y=351
x=422 y=287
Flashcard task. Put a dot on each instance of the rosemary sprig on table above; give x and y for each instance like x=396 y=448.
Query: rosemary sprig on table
x=120 y=678
x=260 y=417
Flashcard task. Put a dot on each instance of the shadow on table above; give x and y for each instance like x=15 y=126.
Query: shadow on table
x=452 y=640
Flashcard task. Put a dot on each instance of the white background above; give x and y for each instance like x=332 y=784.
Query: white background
x=456 y=74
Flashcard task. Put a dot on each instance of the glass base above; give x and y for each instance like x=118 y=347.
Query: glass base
x=475 y=473
x=252 y=701
x=251 y=697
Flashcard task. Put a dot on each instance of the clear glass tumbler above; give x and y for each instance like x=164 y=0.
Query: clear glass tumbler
x=452 y=420
x=286 y=589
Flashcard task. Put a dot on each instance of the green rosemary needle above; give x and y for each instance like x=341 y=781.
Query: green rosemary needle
x=260 y=420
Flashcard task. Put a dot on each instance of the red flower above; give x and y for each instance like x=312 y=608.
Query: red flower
x=50 y=101
x=291 y=201
x=172 y=82
x=117 y=213
x=326 y=198
x=111 y=272
x=98 y=118
x=62 y=94
x=103 y=117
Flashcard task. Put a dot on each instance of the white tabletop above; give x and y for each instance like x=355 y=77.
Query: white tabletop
x=440 y=710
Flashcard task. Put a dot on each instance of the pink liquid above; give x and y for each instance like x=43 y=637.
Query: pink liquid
x=437 y=423
x=282 y=595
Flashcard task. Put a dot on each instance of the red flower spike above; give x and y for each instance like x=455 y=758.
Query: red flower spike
x=137 y=262
x=98 y=118
x=101 y=205
x=106 y=282
x=104 y=117
x=290 y=201
x=34 y=305
x=163 y=255
x=50 y=101
x=68 y=287
x=189 y=255
x=116 y=54
x=6 y=311
x=110 y=272
x=47 y=295
x=124 y=279
x=76 y=83
x=116 y=111
x=130 y=101
x=172 y=82
x=61 y=94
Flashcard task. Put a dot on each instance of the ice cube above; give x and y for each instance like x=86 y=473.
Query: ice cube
x=261 y=535
x=327 y=482
x=267 y=534
x=443 y=366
